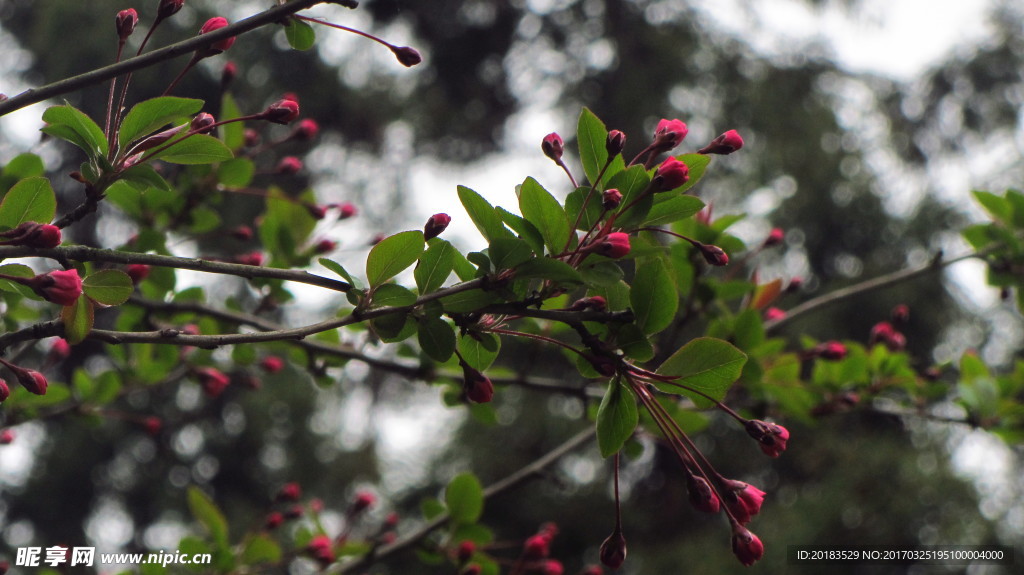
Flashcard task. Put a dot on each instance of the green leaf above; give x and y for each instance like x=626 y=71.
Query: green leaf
x=673 y=210
x=507 y=253
x=435 y=266
x=617 y=418
x=479 y=353
x=525 y=229
x=236 y=173
x=78 y=320
x=341 y=271
x=705 y=364
x=653 y=296
x=465 y=498
x=591 y=136
x=233 y=133
x=392 y=255
x=30 y=200
x=550 y=269
x=483 y=215
x=143 y=176
x=998 y=207
x=467 y=301
x=634 y=343
x=22 y=166
x=21 y=271
x=206 y=512
x=542 y=210
x=149 y=115
x=603 y=273
x=392 y=295
x=261 y=549
x=301 y=36
x=431 y=508
x=71 y=124
x=437 y=339
x=195 y=149
x=108 y=287
x=574 y=206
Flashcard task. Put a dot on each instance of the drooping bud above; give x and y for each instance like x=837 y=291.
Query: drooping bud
x=212 y=380
x=615 y=143
x=283 y=111
x=203 y=123
x=744 y=500
x=137 y=272
x=215 y=23
x=60 y=286
x=613 y=550
x=168 y=8
x=774 y=238
x=30 y=379
x=289 y=166
x=714 y=255
x=670 y=175
x=611 y=199
x=669 y=134
x=552 y=146
x=33 y=235
x=125 y=23
x=702 y=496
x=725 y=144
x=289 y=492
x=435 y=225
x=745 y=545
x=770 y=436
x=409 y=57
x=477 y=386
x=306 y=130
x=615 y=245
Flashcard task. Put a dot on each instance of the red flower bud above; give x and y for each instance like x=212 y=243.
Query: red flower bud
x=290 y=165
x=168 y=8
x=549 y=529
x=289 y=492
x=60 y=349
x=212 y=380
x=243 y=233
x=745 y=545
x=325 y=246
x=294 y=512
x=774 y=238
x=772 y=437
x=714 y=255
x=215 y=23
x=202 y=123
x=774 y=314
x=137 y=272
x=5 y=391
x=536 y=547
x=830 y=350
x=596 y=303
x=794 y=284
x=321 y=549
x=391 y=521
x=152 y=425
x=363 y=501
x=30 y=379
x=552 y=567
x=592 y=570
x=477 y=386
x=272 y=364
x=725 y=144
x=33 y=235
x=611 y=199
x=6 y=438
x=614 y=245
x=273 y=521
x=60 y=286
x=552 y=146
x=346 y=211
x=283 y=111
x=409 y=57
x=435 y=225
x=900 y=314
x=252 y=137
x=669 y=134
x=702 y=496
x=227 y=74
x=613 y=550
x=465 y=551
x=250 y=259
x=744 y=500
x=670 y=175
x=125 y=23
x=615 y=143
x=318 y=212
x=306 y=130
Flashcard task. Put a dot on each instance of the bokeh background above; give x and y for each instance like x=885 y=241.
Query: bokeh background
x=867 y=124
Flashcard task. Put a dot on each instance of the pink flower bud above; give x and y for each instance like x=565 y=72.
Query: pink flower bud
x=212 y=380
x=592 y=570
x=435 y=225
x=215 y=23
x=289 y=492
x=391 y=521
x=771 y=437
x=203 y=123
x=615 y=245
x=596 y=303
x=306 y=130
x=704 y=216
x=242 y=233
x=60 y=286
x=6 y=437
x=611 y=199
x=125 y=23
x=363 y=501
x=325 y=246
x=669 y=134
x=830 y=350
x=290 y=165
x=714 y=255
x=465 y=551
x=283 y=111
x=5 y=391
x=30 y=379
x=615 y=143
x=273 y=521
x=228 y=74
x=168 y=8
x=251 y=259
x=346 y=211
x=725 y=144
x=613 y=550
x=774 y=314
x=536 y=547
x=272 y=364
x=774 y=238
x=744 y=500
x=318 y=212
x=670 y=175
x=552 y=146
x=252 y=138
x=33 y=235
x=152 y=425
x=549 y=529
x=896 y=342
x=794 y=284
x=294 y=512
x=60 y=349
x=321 y=549
x=477 y=386
x=552 y=567
x=702 y=496
x=137 y=272
x=409 y=57
x=745 y=545
x=900 y=314
x=316 y=505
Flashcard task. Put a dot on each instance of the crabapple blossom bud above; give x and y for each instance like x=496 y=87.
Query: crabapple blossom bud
x=714 y=255
x=536 y=547
x=290 y=165
x=137 y=272
x=212 y=380
x=613 y=550
x=215 y=23
x=250 y=259
x=60 y=349
x=702 y=496
x=168 y=8
x=830 y=350
x=251 y=137
x=771 y=437
x=435 y=225
x=881 y=332
x=552 y=567
x=611 y=199
x=477 y=386
x=273 y=521
x=704 y=216
x=900 y=314
x=248 y=381
x=294 y=512
x=363 y=501
x=391 y=521
x=725 y=144
x=5 y=391
x=669 y=134
x=30 y=379
x=283 y=111
x=744 y=500
x=346 y=211
x=549 y=529
x=409 y=57
x=596 y=303
x=289 y=492
x=152 y=425
x=670 y=175
x=465 y=551
x=745 y=545
x=774 y=314
x=321 y=549
x=125 y=22
x=227 y=74
x=774 y=238
x=202 y=123
x=896 y=342
x=325 y=246
x=243 y=233
x=6 y=437
x=318 y=212
x=60 y=286
x=33 y=235
x=614 y=245
x=552 y=146
x=592 y=570
x=615 y=143
x=306 y=130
